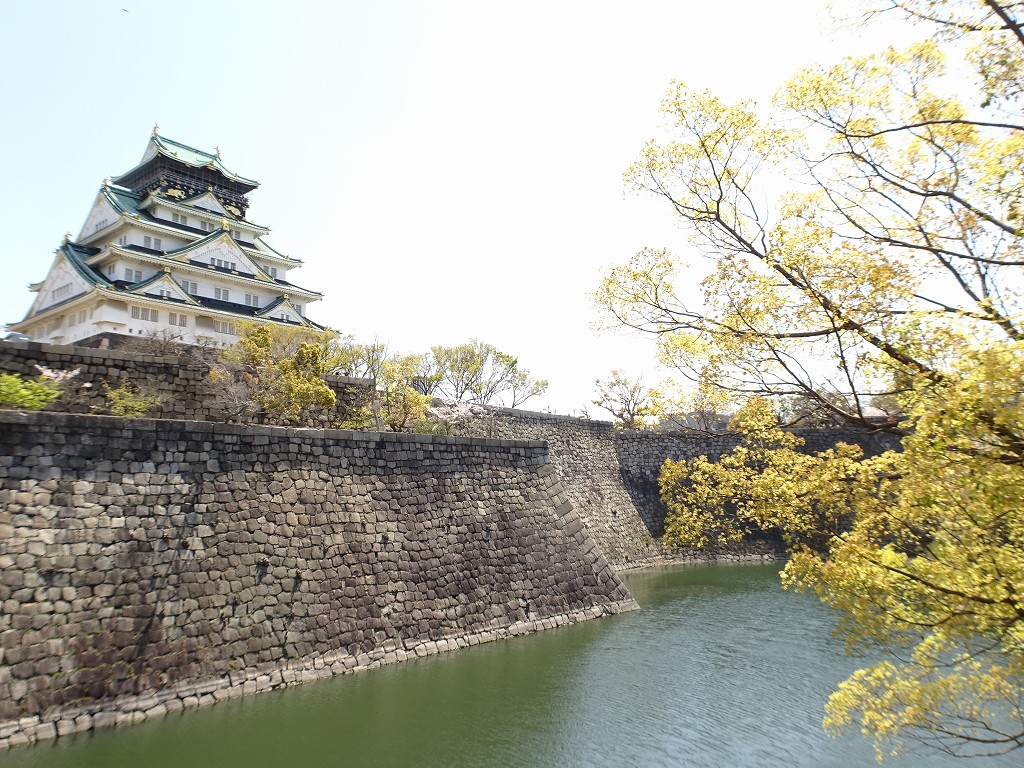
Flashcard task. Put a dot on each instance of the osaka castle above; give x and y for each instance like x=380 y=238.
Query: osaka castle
x=167 y=250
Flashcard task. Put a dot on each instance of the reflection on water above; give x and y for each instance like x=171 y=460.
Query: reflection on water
x=720 y=668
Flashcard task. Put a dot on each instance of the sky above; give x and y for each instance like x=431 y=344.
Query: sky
x=446 y=170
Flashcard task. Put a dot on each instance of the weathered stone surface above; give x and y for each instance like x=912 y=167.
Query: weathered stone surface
x=209 y=561
x=610 y=477
x=153 y=566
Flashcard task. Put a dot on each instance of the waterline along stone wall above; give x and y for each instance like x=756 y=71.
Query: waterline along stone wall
x=147 y=566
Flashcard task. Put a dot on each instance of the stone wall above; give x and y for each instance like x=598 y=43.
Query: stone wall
x=183 y=382
x=611 y=476
x=147 y=566
x=584 y=453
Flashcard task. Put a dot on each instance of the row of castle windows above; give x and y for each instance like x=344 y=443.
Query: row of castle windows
x=181 y=218
x=80 y=317
x=145 y=314
x=189 y=286
x=156 y=243
x=60 y=292
x=177 y=319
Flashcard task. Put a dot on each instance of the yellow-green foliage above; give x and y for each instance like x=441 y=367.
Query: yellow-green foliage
x=401 y=406
x=893 y=271
x=360 y=417
x=25 y=394
x=127 y=400
x=277 y=372
x=633 y=405
x=921 y=551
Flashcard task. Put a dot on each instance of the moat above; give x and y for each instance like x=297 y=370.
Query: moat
x=720 y=667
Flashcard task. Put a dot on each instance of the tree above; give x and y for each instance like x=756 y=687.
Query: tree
x=898 y=277
x=480 y=373
x=361 y=360
x=400 y=405
x=451 y=417
x=130 y=401
x=25 y=394
x=276 y=373
x=632 y=404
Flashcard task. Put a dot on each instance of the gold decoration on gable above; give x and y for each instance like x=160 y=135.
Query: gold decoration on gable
x=176 y=193
x=232 y=209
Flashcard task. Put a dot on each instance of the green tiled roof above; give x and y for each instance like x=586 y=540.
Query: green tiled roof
x=264 y=247
x=76 y=256
x=195 y=157
x=123 y=200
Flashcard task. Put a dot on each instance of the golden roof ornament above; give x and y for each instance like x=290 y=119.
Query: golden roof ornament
x=224 y=223
x=156 y=127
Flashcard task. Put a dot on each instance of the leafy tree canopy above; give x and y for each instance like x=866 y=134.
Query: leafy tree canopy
x=889 y=272
x=276 y=373
x=478 y=372
x=633 y=405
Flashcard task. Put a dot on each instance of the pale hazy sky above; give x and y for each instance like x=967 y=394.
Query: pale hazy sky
x=447 y=170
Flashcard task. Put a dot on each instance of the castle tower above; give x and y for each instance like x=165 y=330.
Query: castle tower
x=167 y=250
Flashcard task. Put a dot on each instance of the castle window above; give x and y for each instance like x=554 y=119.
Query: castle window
x=175 y=319
x=189 y=287
x=223 y=326
x=272 y=271
x=164 y=293
x=220 y=293
x=147 y=242
x=122 y=240
x=252 y=300
x=157 y=243
x=132 y=275
x=206 y=226
x=60 y=292
x=145 y=313
x=223 y=264
x=178 y=218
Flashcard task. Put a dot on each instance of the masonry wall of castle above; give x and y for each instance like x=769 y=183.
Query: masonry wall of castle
x=583 y=452
x=147 y=566
x=611 y=476
x=182 y=382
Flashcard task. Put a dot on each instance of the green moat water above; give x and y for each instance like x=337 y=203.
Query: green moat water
x=720 y=668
